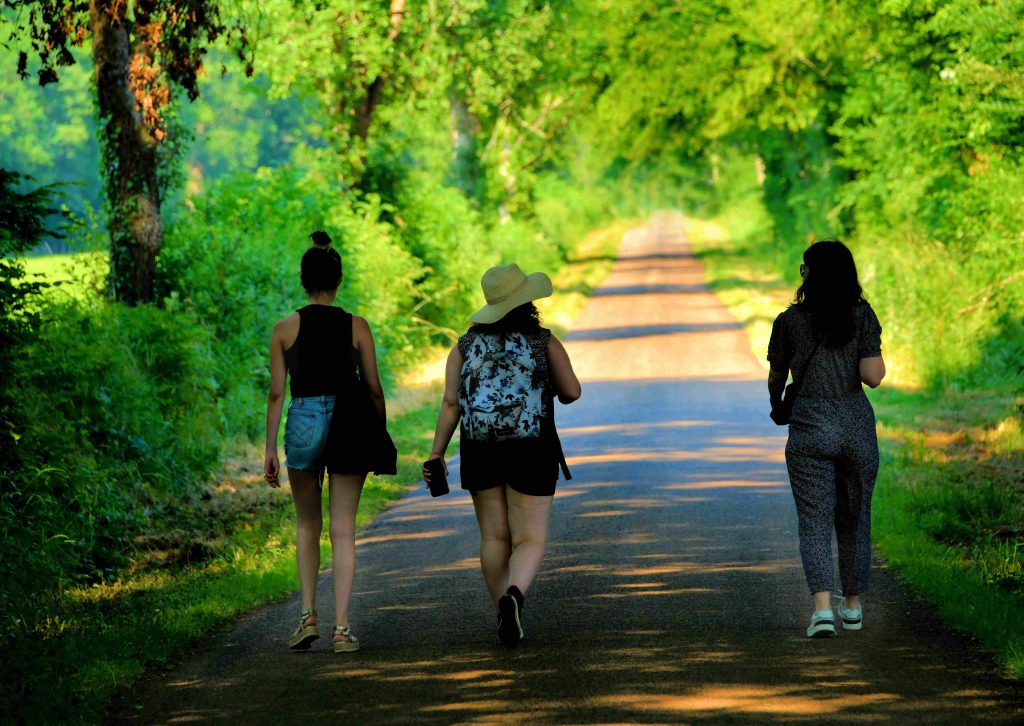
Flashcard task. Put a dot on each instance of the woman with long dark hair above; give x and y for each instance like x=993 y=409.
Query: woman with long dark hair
x=328 y=354
x=831 y=339
x=501 y=380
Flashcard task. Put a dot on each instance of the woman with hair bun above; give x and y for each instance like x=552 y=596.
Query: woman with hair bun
x=328 y=354
x=831 y=340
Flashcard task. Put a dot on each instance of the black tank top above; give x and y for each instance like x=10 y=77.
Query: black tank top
x=322 y=360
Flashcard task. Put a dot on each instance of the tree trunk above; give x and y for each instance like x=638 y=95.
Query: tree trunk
x=364 y=113
x=129 y=159
x=465 y=164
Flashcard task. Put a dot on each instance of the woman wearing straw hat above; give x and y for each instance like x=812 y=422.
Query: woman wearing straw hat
x=501 y=380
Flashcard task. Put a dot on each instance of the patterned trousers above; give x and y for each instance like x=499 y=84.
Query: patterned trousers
x=832 y=458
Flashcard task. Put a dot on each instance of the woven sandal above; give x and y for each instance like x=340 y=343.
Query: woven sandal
x=306 y=633
x=344 y=641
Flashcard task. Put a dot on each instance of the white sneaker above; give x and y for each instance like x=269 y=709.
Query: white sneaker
x=823 y=624
x=852 y=619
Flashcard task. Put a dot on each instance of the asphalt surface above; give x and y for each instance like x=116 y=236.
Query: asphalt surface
x=672 y=591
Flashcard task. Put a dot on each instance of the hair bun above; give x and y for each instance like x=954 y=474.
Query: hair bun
x=320 y=239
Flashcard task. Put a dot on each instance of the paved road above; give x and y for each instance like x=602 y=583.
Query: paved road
x=672 y=591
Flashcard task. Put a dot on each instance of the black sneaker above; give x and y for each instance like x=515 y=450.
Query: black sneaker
x=510 y=629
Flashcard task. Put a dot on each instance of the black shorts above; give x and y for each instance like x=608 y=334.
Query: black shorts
x=530 y=466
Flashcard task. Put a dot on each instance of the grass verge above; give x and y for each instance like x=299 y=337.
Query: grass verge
x=949 y=503
x=225 y=552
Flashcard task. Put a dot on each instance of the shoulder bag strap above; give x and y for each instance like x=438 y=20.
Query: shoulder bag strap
x=347 y=343
x=798 y=383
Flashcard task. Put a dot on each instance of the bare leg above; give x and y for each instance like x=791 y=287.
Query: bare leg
x=528 y=523
x=823 y=600
x=495 y=540
x=306 y=495
x=345 y=490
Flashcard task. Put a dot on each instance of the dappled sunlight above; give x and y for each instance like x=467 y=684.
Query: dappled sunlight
x=638 y=502
x=637 y=427
x=491 y=706
x=473 y=675
x=581 y=569
x=566 y=493
x=615 y=667
x=764 y=567
x=400 y=536
x=763 y=441
x=350 y=673
x=493 y=683
x=776 y=700
x=711 y=454
x=655 y=593
x=674 y=568
x=469 y=563
x=717 y=656
x=412 y=517
x=576 y=486
x=183 y=684
x=196 y=717
x=636 y=538
x=408 y=606
x=724 y=484
x=605 y=513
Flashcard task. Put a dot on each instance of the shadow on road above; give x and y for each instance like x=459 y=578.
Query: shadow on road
x=671 y=592
x=641 y=331
x=648 y=290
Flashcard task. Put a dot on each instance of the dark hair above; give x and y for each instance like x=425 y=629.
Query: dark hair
x=523 y=319
x=321 y=265
x=830 y=291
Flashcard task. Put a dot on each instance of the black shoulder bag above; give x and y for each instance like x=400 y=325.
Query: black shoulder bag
x=783 y=410
x=357 y=438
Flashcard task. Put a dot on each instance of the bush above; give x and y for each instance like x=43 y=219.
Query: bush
x=232 y=262
x=121 y=405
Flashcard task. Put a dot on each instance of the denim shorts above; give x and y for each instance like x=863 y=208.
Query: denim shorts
x=305 y=432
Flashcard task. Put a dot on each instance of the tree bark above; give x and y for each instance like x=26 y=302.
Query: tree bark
x=129 y=158
x=465 y=127
x=364 y=112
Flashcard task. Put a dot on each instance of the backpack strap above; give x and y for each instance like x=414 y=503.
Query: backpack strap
x=561 y=455
x=539 y=344
x=349 y=368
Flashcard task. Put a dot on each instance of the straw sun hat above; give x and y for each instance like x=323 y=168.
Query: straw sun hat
x=506 y=287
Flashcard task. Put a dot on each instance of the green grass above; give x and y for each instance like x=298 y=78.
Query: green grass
x=219 y=554
x=949 y=503
x=78 y=275
x=949 y=508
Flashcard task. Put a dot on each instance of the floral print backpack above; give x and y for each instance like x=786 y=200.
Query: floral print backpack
x=501 y=397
